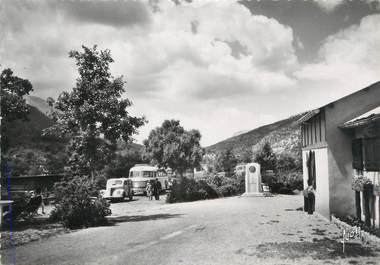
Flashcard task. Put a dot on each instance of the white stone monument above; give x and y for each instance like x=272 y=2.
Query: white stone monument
x=253 y=180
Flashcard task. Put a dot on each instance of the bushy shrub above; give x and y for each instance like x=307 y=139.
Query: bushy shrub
x=78 y=204
x=284 y=182
x=212 y=187
x=226 y=186
x=227 y=190
x=289 y=173
x=214 y=180
x=294 y=180
x=190 y=190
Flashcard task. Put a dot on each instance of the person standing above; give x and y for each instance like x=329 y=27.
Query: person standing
x=309 y=198
x=149 y=189
x=40 y=199
x=157 y=189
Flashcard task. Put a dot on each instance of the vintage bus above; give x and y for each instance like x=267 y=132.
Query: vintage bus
x=140 y=174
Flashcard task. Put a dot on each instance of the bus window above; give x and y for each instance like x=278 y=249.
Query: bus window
x=149 y=174
x=134 y=174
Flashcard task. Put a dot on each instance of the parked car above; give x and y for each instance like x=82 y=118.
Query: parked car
x=118 y=189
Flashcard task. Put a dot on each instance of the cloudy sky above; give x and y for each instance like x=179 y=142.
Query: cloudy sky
x=218 y=66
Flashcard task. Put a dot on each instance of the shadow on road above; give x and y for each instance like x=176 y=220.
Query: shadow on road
x=319 y=249
x=140 y=218
x=297 y=209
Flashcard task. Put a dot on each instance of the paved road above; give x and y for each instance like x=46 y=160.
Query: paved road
x=236 y=230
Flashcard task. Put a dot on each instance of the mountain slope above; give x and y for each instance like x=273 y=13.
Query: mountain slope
x=27 y=133
x=30 y=153
x=39 y=104
x=284 y=137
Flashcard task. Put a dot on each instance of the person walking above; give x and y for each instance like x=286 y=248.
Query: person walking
x=149 y=190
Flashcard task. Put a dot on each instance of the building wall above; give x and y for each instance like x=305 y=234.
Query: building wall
x=342 y=200
x=342 y=197
x=322 y=205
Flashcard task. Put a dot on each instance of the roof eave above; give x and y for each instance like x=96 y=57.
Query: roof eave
x=308 y=116
x=359 y=123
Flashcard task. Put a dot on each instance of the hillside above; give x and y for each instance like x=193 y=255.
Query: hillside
x=284 y=137
x=30 y=153
x=27 y=133
x=39 y=104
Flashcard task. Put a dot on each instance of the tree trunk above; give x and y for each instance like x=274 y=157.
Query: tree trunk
x=92 y=175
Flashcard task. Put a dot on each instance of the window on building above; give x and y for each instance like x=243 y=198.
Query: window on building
x=372 y=154
x=357 y=154
x=313 y=130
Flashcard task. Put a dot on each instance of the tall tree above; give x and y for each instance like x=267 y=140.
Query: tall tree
x=172 y=146
x=227 y=162
x=93 y=115
x=13 y=105
x=246 y=156
x=266 y=158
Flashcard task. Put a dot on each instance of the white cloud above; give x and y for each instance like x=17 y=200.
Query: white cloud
x=348 y=60
x=199 y=61
x=328 y=5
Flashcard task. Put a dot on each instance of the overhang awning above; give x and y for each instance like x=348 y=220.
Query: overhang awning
x=308 y=116
x=363 y=119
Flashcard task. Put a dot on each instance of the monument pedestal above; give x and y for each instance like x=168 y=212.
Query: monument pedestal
x=252 y=194
x=253 y=181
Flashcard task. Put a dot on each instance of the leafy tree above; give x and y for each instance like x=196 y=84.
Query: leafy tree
x=209 y=161
x=286 y=163
x=13 y=105
x=227 y=162
x=120 y=166
x=266 y=158
x=13 y=88
x=172 y=146
x=93 y=115
x=246 y=156
x=289 y=172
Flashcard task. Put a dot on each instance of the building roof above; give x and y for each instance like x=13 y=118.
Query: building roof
x=310 y=114
x=363 y=119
